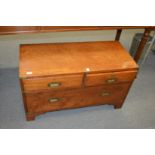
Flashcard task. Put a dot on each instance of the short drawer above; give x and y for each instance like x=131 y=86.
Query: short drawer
x=52 y=83
x=109 y=78
x=55 y=100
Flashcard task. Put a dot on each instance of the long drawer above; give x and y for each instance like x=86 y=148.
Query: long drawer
x=54 y=100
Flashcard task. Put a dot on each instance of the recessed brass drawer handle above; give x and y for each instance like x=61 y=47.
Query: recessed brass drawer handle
x=54 y=84
x=105 y=94
x=51 y=100
x=113 y=80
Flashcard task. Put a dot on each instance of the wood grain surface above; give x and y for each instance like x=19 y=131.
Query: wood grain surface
x=73 y=58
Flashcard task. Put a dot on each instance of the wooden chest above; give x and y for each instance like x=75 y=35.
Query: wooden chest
x=71 y=75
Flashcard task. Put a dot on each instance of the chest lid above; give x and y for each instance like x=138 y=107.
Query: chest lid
x=72 y=58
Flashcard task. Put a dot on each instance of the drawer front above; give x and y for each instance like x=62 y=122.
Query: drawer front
x=52 y=83
x=54 y=100
x=110 y=78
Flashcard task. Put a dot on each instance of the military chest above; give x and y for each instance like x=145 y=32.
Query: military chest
x=60 y=76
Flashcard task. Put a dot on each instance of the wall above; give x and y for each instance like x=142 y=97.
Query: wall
x=9 y=44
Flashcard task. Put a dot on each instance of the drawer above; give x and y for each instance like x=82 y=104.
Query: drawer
x=55 y=100
x=109 y=78
x=52 y=83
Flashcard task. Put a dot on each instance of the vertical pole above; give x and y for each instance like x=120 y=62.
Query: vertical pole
x=117 y=38
x=142 y=44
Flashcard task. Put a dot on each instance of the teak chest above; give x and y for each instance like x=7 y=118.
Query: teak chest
x=60 y=76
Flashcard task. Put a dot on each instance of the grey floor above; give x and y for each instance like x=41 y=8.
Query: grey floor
x=137 y=112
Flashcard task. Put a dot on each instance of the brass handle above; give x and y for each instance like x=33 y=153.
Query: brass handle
x=51 y=100
x=113 y=80
x=54 y=84
x=105 y=94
